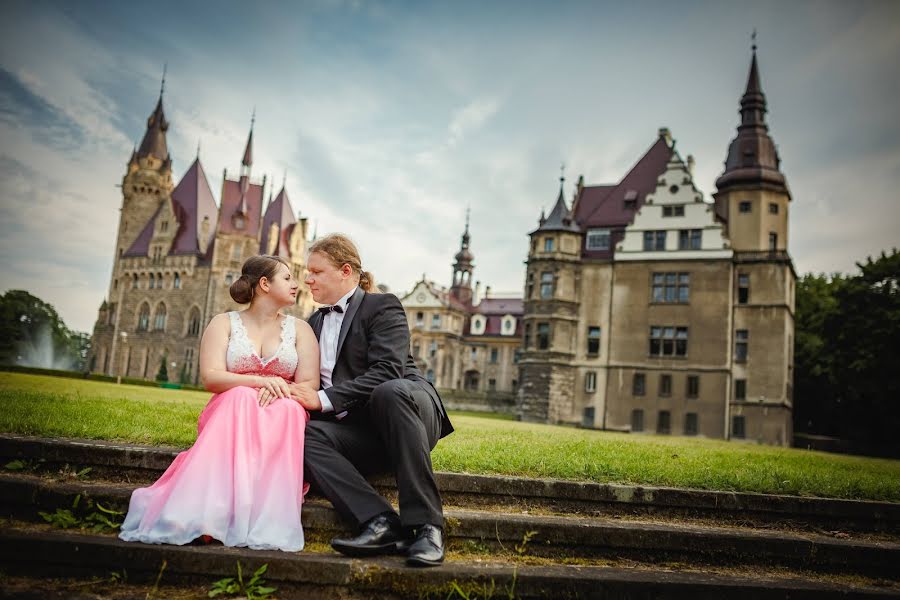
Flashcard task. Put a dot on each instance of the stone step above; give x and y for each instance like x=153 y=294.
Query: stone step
x=131 y=462
x=312 y=575
x=554 y=536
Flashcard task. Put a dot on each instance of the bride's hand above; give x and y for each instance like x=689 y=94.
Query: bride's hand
x=272 y=389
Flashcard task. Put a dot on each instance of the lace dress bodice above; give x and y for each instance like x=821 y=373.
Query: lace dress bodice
x=241 y=356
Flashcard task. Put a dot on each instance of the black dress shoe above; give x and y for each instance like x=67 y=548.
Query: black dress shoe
x=379 y=535
x=428 y=549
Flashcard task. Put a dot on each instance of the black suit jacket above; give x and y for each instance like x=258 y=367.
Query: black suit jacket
x=373 y=347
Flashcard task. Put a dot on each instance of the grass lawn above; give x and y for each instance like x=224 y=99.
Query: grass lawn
x=56 y=406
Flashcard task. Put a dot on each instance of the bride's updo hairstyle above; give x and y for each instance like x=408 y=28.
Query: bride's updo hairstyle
x=341 y=251
x=255 y=268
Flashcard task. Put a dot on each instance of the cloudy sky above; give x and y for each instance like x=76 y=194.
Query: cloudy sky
x=390 y=118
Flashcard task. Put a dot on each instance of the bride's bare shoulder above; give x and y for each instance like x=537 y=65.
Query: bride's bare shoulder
x=302 y=327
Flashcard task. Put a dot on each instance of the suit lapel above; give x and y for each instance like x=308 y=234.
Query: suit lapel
x=317 y=322
x=355 y=301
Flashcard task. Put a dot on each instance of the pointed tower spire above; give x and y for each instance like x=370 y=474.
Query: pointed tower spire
x=560 y=218
x=154 y=141
x=461 y=287
x=752 y=156
x=247 y=161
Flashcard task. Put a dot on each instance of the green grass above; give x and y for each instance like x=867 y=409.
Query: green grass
x=52 y=406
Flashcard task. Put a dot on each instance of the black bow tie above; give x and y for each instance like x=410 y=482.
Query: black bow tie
x=327 y=309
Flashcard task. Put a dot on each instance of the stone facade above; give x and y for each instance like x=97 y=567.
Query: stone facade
x=177 y=253
x=649 y=309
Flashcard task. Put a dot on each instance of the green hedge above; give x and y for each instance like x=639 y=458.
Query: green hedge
x=95 y=377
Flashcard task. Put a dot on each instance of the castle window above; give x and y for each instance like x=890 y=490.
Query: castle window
x=670 y=287
x=546 y=285
x=435 y=321
x=429 y=375
x=690 y=424
x=737 y=427
x=492 y=385
x=693 y=386
x=159 y=322
x=590 y=382
x=176 y=281
x=529 y=287
x=593 y=341
x=420 y=319
x=115 y=284
x=637 y=420
x=159 y=280
x=548 y=244
x=743 y=288
x=134 y=282
x=741 y=339
x=665 y=384
x=188 y=365
x=773 y=208
x=517 y=356
x=668 y=341
x=673 y=211
x=597 y=239
x=740 y=389
x=494 y=355
x=152 y=281
x=664 y=422
x=745 y=206
x=194 y=322
x=229 y=278
x=417 y=350
x=144 y=317
x=690 y=239
x=164 y=226
x=432 y=349
x=773 y=241
x=639 y=384
x=526 y=340
x=655 y=240
x=543 y=336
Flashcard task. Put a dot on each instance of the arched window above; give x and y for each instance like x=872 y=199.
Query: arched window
x=134 y=282
x=152 y=281
x=176 y=281
x=159 y=321
x=144 y=317
x=194 y=322
x=159 y=280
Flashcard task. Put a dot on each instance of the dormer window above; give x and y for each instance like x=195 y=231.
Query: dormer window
x=631 y=199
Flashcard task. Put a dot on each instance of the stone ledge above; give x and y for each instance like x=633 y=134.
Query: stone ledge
x=557 y=495
x=306 y=575
x=548 y=536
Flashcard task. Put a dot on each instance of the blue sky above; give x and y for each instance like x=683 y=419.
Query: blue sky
x=390 y=118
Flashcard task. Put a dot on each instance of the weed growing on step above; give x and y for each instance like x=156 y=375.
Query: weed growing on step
x=24 y=465
x=252 y=589
x=469 y=590
x=87 y=515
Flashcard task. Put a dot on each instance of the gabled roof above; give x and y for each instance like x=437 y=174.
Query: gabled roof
x=231 y=203
x=193 y=200
x=141 y=245
x=281 y=213
x=604 y=206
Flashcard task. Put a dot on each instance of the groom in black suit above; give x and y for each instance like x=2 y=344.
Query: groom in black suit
x=374 y=412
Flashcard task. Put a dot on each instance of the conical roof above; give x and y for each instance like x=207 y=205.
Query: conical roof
x=560 y=218
x=154 y=142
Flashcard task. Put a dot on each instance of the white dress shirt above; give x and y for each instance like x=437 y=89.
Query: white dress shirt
x=328 y=342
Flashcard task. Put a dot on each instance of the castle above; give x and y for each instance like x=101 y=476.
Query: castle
x=648 y=309
x=177 y=254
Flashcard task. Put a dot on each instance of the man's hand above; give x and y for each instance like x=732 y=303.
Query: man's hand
x=306 y=396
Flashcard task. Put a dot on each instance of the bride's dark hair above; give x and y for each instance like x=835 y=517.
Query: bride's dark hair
x=341 y=251
x=255 y=268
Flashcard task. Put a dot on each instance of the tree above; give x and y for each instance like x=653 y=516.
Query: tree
x=33 y=334
x=847 y=356
x=163 y=374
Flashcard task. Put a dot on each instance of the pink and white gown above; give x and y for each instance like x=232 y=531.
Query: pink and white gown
x=242 y=480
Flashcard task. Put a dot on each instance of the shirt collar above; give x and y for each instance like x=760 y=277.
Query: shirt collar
x=345 y=299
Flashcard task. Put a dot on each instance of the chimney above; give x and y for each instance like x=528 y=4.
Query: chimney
x=477 y=294
x=690 y=164
x=666 y=135
x=487 y=292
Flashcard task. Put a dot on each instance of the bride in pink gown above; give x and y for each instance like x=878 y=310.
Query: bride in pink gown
x=242 y=481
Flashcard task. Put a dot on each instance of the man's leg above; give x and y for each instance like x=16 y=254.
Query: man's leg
x=408 y=422
x=336 y=457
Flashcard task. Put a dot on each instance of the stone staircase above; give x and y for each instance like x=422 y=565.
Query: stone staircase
x=508 y=537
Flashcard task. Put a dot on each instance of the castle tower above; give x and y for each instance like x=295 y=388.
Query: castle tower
x=461 y=288
x=547 y=375
x=752 y=200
